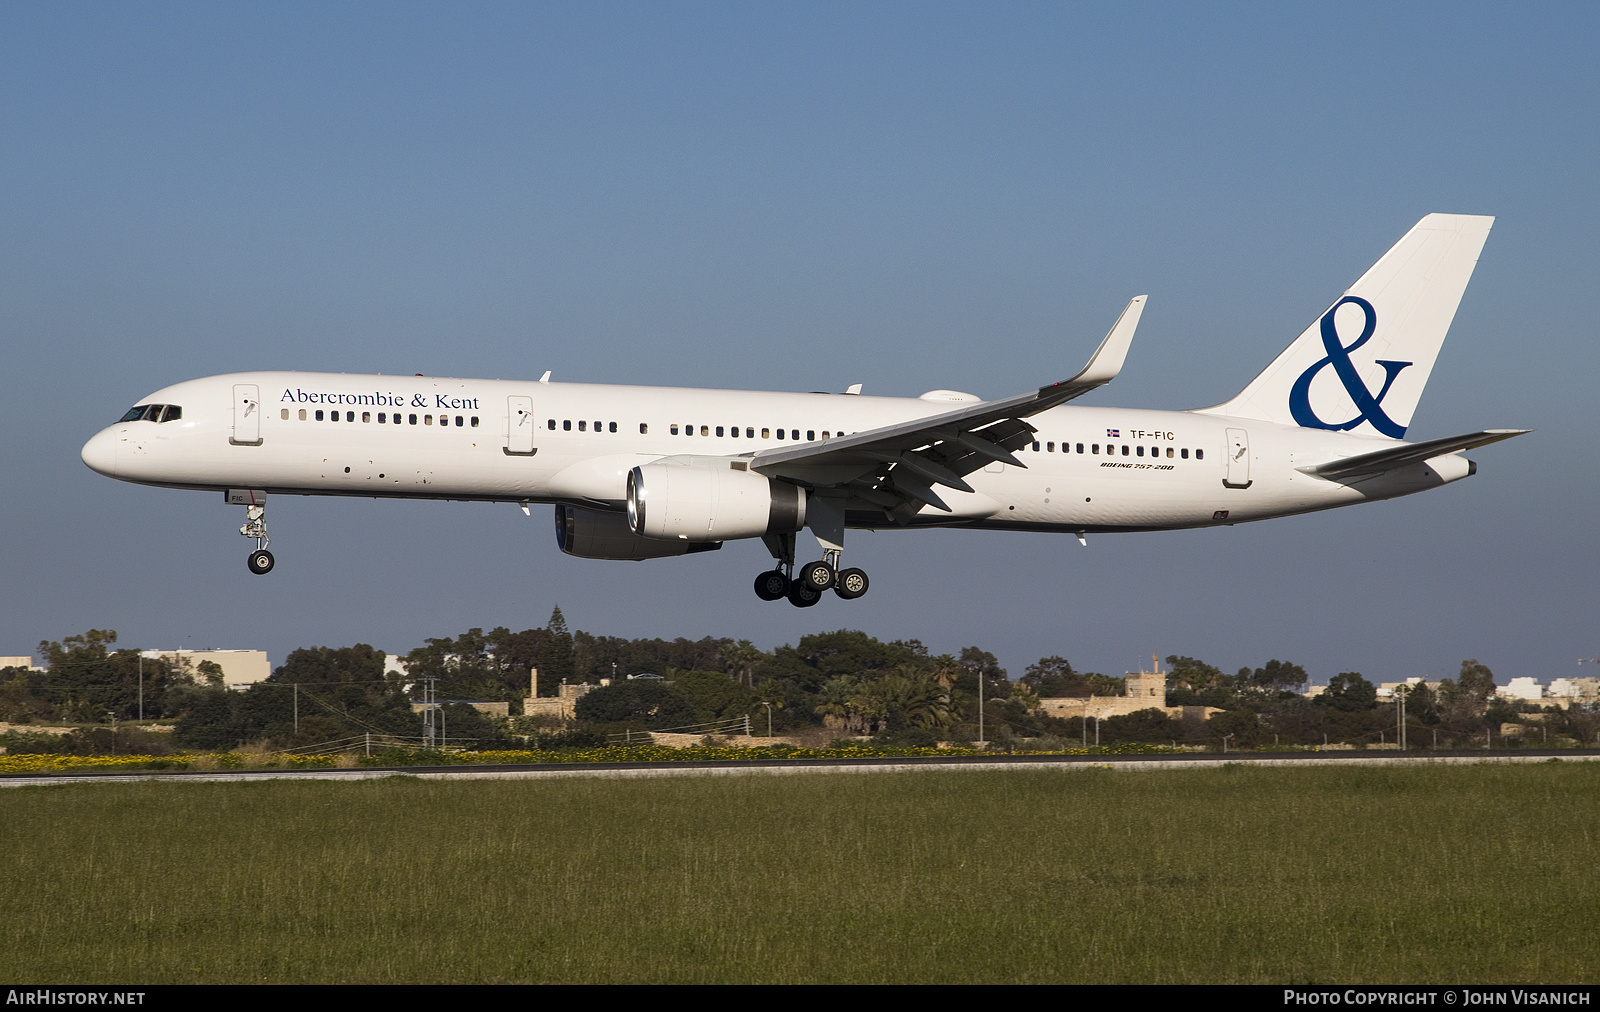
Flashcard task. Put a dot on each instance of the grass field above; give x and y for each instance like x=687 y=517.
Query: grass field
x=1371 y=874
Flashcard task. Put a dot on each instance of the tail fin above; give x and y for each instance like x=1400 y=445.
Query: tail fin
x=1362 y=365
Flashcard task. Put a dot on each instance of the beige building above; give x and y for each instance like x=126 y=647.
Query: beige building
x=1563 y=692
x=25 y=661
x=488 y=707
x=563 y=704
x=240 y=668
x=1144 y=690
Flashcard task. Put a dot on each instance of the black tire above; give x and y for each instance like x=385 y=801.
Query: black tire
x=850 y=584
x=802 y=596
x=260 y=561
x=772 y=585
x=817 y=575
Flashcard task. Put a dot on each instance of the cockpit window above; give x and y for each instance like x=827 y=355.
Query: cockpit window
x=153 y=413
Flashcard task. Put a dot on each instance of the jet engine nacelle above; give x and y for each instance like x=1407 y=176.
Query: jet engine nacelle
x=711 y=503
x=595 y=534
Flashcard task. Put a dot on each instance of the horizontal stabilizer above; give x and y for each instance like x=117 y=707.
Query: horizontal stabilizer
x=1401 y=454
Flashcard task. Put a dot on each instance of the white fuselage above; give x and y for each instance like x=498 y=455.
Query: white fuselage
x=1090 y=469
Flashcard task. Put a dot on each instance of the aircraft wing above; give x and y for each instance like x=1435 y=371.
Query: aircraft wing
x=1365 y=464
x=896 y=467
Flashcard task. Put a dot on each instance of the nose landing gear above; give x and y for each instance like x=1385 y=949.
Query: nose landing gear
x=255 y=526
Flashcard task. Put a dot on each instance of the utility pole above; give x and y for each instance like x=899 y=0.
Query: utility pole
x=430 y=733
x=769 y=718
x=1400 y=715
x=981 y=739
x=141 y=685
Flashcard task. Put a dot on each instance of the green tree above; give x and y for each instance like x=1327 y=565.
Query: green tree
x=1348 y=692
x=643 y=701
x=557 y=661
x=1151 y=725
x=714 y=696
x=740 y=660
x=1189 y=673
x=1277 y=676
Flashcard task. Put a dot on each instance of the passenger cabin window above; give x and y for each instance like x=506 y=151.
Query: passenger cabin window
x=551 y=425
x=566 y=425
x=767 y=434
x=749 y=433
x=644 y=428
x=1199 y=455
x=1080 y=448
x=319 y=414
x=302 y=414
x=719 y=430
x=583 y=426
x=1185 y=453
x=780 y=433
x=673 y=428
x=611 y=427
x=412 y=419
x=284 y=414
x=705 y=430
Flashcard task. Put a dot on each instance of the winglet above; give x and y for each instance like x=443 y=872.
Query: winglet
x=1107 y=359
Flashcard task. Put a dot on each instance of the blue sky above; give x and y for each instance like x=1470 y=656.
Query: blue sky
x=796 y=197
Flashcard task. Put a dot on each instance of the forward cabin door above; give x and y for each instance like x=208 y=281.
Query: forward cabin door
x=519 y=430
x=246 y=415
x=1238 y=459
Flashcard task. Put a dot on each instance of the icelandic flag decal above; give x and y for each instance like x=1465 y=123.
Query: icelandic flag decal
x=1113 y=433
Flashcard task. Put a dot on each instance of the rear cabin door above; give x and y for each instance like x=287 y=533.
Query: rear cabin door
x=246 y=415
x=1238 y=459
x=519 y=430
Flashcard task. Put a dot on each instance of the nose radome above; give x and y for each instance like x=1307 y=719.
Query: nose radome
x=100 y=452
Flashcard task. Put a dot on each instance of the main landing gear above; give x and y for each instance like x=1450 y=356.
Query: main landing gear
x=255 y=526
x=806 y=586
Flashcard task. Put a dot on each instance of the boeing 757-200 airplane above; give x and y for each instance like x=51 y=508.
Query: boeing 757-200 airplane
x=650 y=472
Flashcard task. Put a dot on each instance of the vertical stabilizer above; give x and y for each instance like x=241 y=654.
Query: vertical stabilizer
x=1361 y=366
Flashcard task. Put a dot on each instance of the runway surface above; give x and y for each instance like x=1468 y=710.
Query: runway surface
x=746 y=767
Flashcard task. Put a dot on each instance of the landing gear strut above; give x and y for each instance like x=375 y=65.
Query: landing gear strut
x=255 y=526
x=804 y=587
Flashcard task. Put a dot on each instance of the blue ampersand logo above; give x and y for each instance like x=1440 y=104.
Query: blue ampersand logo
x=1370 y=407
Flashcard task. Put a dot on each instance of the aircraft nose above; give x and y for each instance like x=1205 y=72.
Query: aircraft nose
x=100 y=452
